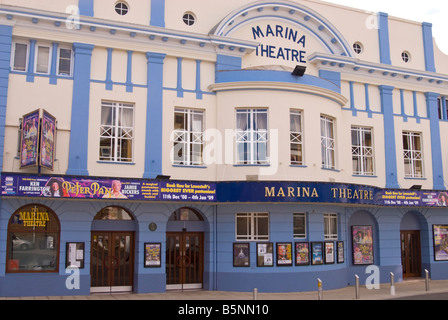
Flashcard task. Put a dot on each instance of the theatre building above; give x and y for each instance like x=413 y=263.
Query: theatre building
x=157 y=145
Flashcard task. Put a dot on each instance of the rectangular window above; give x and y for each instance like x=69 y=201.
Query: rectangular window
x=413 y=155
x=65 y=62
x=296 y=137
x=299 y=223
x=20 y=56
x=362 y=151
x=188 y=137
x=117 y=132
x=330 y=226
x=252 y=136
x=252 y=226
x=43 y=59
x=327 y=142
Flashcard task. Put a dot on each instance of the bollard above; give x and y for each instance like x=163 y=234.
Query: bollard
x=356 y=287
x=255 y=294
x=319 y=289
x=427 y=279
x=392 y=284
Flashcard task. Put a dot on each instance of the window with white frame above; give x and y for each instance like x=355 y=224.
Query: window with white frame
x=413 y=154
x=43 y=56
x=299 y=225
x=328 y=142
x=330 y=226
x=296 y=137
x=252 y=226
x=65 y=58
x=188 y=137
x=252 y=136
x=362 y=151
x=117 y=132
x=20 y=56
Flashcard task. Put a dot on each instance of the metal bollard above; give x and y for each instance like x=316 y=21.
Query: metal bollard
x=427 y=279
x=392 y=284
x=319 y=289
x=255 y=294
x=356 y=287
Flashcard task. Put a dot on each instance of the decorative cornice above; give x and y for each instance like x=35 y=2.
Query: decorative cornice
x=280 y=86
x=123 y=31
x=378 y=70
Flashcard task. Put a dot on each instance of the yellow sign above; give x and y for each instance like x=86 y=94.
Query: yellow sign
x=34 y=218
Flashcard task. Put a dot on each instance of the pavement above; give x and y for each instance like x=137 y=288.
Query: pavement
x=401 y=290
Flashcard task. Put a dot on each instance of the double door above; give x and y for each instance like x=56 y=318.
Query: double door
x=184 y=260
x=411 y=254
x=112 y=261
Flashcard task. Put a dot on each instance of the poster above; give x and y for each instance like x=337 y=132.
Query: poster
x=29 y=140
x=302 y=254
x=19 y=185
x=265 y=254
x=284 y=254
x=329 y=252
x=440 y=236
x=152 y=255
x=47 y=141
x=340 y=252
x=362 y=239
x=317 y=249
x=241 y=255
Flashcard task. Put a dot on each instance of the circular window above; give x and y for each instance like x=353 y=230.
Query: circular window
x=189 y=18
x=357 y=47
x=406 y=56
x=121 y=8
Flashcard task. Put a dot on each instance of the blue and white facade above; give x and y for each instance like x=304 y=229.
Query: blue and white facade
x=236 y=129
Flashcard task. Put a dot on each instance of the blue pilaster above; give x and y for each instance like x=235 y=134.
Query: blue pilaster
x=436 y=145
x=86 y=7
x=154 y=116
x=157 y=13
x=78 y=153
x=109 y=84
x=31 y=58
x=5 y=57
x=54 y=62
x=180 y=91
x=428 y=46
x=387 y=107
x=383 y=36
x=129 y=85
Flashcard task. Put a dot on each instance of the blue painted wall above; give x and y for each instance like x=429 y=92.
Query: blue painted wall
x=154 y=116
x=387 y=108
x=78 y=153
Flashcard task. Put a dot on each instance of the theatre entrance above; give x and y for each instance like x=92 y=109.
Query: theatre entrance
x=411 y=253
x=112 y=251
x=185 y=250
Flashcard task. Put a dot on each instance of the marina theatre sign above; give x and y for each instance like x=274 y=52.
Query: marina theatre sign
x=294 y=52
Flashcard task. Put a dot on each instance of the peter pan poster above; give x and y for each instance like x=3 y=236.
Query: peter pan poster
x=29 y=140
x=362 y=240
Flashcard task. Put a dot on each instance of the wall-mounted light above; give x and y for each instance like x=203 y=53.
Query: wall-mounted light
x=299 y=71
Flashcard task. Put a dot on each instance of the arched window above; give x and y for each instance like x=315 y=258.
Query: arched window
x=113 y=213
x=33 y=240
x=185 y=214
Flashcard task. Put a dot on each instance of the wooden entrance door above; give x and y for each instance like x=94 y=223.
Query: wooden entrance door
x=411 y=253
x=184 y=260
x=112 y=261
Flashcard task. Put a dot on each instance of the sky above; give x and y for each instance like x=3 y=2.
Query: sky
x=433 y=11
